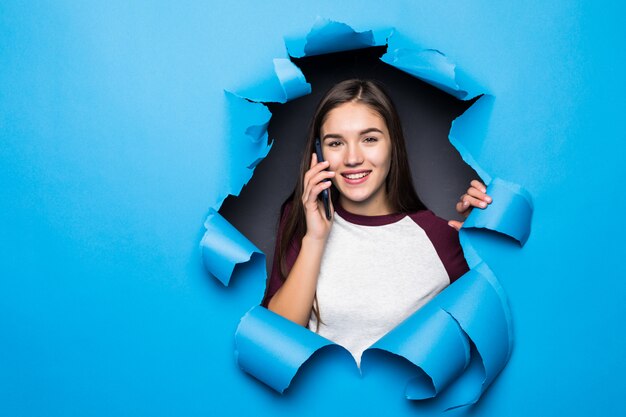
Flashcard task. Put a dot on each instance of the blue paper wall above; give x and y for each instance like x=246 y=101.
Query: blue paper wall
x=110 y=119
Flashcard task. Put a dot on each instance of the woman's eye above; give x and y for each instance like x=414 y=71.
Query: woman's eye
x=334 y=144
x=371 y=139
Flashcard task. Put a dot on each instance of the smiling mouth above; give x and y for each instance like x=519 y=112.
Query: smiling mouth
x=357 y=177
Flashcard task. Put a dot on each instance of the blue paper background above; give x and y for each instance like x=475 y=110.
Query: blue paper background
x=111 y=120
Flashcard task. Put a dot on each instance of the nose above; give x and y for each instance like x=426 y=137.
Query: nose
x=353 y=156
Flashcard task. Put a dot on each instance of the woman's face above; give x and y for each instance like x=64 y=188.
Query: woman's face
x=356 y=143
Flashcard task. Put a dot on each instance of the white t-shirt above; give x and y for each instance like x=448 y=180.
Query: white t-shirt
x=376 y=271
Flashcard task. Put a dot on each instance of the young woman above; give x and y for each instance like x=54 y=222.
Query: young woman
x=382 y=255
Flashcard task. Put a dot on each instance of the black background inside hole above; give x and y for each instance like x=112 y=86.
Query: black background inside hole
x=439 y=173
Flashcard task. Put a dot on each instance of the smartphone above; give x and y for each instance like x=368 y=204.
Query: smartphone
x=325 y=192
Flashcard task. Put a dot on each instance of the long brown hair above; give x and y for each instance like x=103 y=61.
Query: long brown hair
x=399 y=183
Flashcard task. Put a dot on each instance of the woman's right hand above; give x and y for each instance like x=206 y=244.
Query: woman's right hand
x=317 y=225
x=294 y=299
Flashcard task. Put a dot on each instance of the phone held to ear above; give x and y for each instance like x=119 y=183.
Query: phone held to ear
x=325 y=192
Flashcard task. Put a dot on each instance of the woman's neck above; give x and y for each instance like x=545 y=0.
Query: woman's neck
x=375 y=207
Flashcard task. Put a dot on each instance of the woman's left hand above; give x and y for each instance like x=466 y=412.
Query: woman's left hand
x=476 y=196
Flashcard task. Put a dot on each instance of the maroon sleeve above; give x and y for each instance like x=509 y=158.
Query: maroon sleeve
x=275 y=281
x=445 y=239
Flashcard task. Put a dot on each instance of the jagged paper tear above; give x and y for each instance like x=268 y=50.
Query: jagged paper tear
x=462 y=339
x=223 y=247
x=327 y=36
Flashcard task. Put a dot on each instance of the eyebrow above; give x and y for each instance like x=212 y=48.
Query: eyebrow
x=362 y=132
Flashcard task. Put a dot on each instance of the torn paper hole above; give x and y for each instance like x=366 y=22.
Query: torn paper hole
x=469 y=321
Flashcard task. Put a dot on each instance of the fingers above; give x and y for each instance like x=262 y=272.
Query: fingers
x=469 y=201
x=321 y=176
x=316 y=184
x=479 y=193
x=478 y=185
x=314 y=169
x=314 y=181
x=316 y=190
x=476 y=196
x=456 y=224
x=463 y=206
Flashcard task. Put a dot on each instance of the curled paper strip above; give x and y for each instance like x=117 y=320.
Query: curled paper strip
x=480 y=307
x=431 y=340
x=272 y=348
x=285 y=83
x=291 y=79
x=510 y=213
x=428 y=65
x=224 y=247
x=462 y=339
x=431 y=66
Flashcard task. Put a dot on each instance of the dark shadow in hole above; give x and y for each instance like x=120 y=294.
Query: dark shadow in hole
x=439 y=173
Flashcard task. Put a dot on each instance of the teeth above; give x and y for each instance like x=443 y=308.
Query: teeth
x=356 y=176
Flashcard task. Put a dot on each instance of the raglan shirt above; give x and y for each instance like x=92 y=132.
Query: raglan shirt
x=375 y=272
